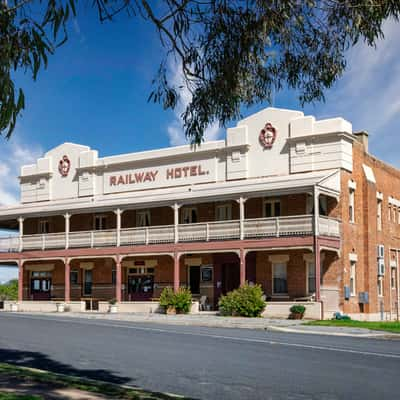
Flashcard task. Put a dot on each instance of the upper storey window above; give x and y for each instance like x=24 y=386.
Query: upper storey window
x=224 y=212
x=143 y=218
x=272 y=208
x=100 y=222
x=44 y=226
x=351 y=205
x=379 y=214
x=189 y=215
x=323 y=205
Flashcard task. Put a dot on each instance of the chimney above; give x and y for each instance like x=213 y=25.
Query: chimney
x=362 y=137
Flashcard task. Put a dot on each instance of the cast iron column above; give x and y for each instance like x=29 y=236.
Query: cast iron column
x=67 y=286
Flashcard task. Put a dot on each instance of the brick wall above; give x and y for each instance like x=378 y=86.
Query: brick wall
x=362 y=237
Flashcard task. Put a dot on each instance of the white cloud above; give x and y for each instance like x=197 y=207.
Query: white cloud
x=175 y=130
x=13 y=154
x=368 y=94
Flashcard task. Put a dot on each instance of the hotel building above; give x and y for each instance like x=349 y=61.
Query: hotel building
x=296 y=205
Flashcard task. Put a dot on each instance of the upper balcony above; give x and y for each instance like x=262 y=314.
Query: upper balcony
x=252 y=228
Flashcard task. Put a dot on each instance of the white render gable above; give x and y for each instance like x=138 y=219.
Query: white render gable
x=295 y=144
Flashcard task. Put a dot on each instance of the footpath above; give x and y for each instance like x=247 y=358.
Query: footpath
x=212 y=320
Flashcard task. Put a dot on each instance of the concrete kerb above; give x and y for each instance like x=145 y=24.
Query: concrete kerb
x=368 y=333
x=213 y=321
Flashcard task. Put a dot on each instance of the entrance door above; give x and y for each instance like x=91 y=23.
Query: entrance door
x=140 y=287
x=194 y=279
x=230 y=277
x=41 y=288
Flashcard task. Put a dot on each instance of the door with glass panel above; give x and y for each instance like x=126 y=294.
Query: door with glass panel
x=41 y=285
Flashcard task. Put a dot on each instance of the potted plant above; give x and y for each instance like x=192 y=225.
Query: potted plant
x=183 y=301
x=297 y=311
x=113 y=308
x=167 y=301
x=60 y=307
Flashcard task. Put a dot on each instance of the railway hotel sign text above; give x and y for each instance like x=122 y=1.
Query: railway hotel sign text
x=160 y=176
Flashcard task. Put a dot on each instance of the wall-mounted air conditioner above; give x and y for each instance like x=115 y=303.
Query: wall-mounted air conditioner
x=381 y=267
x=381 y=251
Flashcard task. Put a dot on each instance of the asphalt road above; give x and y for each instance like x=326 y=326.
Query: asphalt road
x=205 y=363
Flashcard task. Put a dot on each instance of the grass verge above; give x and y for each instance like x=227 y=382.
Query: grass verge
x=11 y=396
x=393 y=327
x=109 y=390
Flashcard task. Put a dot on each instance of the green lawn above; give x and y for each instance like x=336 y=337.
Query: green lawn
x=393 y=327
x=109 y=390
x=10 y=396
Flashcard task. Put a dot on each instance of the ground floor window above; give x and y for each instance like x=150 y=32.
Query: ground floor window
x=352 y=278
x=279 y=278
x=380 y=286
x=87 y=282
x=393 y=279
x=74 y=277
x=311 y=277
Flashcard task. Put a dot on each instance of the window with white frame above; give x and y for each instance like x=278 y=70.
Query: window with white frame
x=272 y=208
x=100 y=222
x=44 y=226
x=380 y=286
x=323 y=205
x=398 y=215
x=394 y=213
x=279 y=278
x=224 y=212
x=352 y=278
x=189 y=215
x=311 y=277
x=379 y=215
x=143 y=218
x=351 y=205
x=389 y=211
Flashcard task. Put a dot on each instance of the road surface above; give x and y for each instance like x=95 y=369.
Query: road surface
x=205 y=363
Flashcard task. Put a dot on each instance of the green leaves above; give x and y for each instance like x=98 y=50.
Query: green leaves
x=246 y=301
x=230 y=54
x=26 y=41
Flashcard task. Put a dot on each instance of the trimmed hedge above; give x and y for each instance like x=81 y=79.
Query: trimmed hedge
x=246 y=301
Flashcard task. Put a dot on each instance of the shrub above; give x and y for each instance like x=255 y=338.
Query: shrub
x=183 y=300
x=167 y=298
x=297 y=309
x=246 y=301
x=112 y=302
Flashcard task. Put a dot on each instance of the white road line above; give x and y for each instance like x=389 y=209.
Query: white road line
x=239 y=339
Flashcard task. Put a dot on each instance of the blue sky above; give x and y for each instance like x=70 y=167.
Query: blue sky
x=96 y=87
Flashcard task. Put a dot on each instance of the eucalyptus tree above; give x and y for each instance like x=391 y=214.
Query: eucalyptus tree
x=230 y=53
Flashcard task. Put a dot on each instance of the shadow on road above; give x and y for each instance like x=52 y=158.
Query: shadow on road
x=51 y=390
x=41 y=361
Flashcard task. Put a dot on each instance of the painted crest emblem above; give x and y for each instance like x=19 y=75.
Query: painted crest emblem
x=267 y=135
x=64 y=166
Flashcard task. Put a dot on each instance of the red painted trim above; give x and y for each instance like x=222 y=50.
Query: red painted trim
x=176 y=272
x=242 y=267
x=20 y=281
x=118 y=283
x=223 y=245
x=67 y=295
